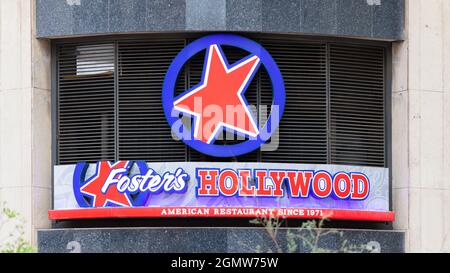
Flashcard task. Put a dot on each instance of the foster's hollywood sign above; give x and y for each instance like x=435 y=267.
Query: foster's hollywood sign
x=212 y=189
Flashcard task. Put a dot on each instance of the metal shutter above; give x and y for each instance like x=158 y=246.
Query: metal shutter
x=85 y=104
x=109 y=101
x=303 y=128
x=143 y=132
x=357 y=116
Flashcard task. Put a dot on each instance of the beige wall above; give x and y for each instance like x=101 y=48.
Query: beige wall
x=25 y=119
x=421 y=127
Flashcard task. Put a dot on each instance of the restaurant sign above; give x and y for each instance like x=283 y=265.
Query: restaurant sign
x=213 y=189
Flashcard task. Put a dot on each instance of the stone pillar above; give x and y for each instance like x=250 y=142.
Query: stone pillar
x=25 y=116
x=421 y=127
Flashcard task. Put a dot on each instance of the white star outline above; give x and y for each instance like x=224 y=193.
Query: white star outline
x=240 y=92
x=95 y=176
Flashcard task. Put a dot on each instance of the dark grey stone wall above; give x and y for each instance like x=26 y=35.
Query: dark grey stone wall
x=212 y=240
x=376 y=19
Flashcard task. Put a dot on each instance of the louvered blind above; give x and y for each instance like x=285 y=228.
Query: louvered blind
x=109 y=101
x=303 y=128
x=143 y=132
x=357 y=105
x=85 y=107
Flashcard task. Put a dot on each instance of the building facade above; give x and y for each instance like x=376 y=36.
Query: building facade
x=363 y=85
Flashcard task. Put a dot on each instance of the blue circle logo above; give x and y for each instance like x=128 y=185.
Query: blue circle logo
x=218 y=102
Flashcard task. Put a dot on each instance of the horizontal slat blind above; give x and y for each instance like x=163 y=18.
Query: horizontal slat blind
x=357 y=105
x=303 y=128
x=85 y=103
x=109 y=101
x=143 y=129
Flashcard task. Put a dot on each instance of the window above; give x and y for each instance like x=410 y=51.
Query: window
x=335 y=101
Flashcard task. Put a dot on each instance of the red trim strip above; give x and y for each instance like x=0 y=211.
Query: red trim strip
x=225 y=212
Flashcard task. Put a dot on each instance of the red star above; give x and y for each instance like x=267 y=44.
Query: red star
x=218 y=102
x=94 y=186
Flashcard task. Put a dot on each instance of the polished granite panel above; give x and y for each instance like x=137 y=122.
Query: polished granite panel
x=214 y=240
x=343 y=18
x=126 y=15
x=244 y=15
x=165 y=15
x=205 y=14
x=318 y=16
